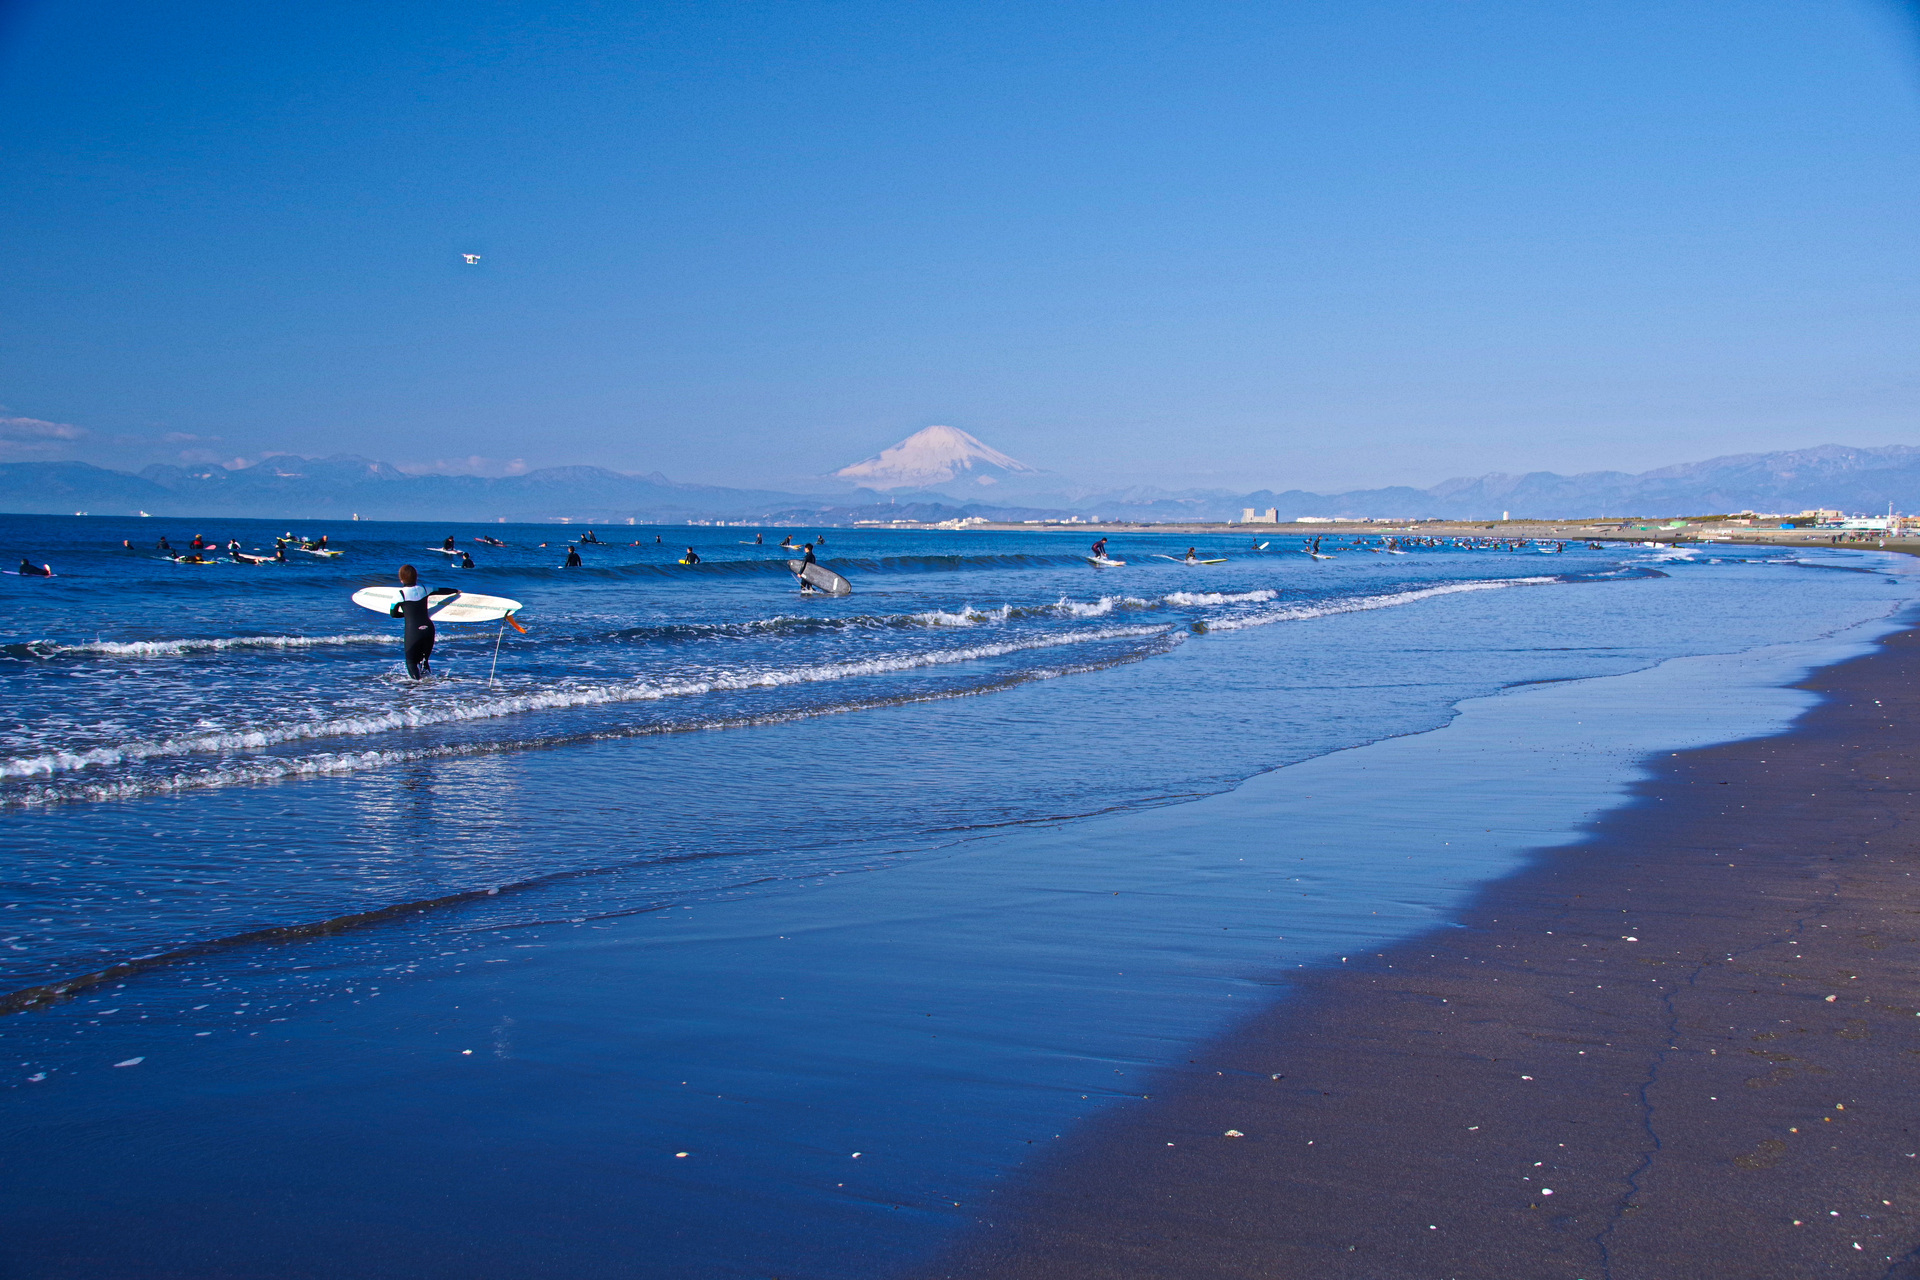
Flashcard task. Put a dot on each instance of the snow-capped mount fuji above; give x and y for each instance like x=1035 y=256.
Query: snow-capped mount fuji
x=935 y=455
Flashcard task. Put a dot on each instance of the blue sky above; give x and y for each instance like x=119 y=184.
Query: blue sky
x=1314 y=244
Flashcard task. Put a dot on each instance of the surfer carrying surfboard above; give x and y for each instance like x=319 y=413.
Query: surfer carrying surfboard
x=419 y=633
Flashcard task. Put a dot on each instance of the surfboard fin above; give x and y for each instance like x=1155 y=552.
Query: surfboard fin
x=515 y=623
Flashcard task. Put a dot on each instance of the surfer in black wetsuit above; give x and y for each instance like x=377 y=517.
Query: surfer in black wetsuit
x=1192 y=555
x=573 y=558
x=280 y=550
x=166 y=547
x=28 y=569
x=759 y=539
x=692 y=557
x=466 y=561
x=418 y=631
x=1100 y=549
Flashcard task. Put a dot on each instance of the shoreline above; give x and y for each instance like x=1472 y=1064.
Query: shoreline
x=1699 y=1019
x=1630 y=533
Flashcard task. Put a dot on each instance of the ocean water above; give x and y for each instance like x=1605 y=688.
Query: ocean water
x=443 y=978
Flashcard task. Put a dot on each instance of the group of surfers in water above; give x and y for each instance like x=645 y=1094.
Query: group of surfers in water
x=207 y=551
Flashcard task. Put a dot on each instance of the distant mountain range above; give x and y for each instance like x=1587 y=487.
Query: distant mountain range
x=1853 y=480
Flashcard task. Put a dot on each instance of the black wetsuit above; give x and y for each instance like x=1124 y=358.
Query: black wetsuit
x=466 y=561
x=1100 y=549
x=419 y=633
x=448 y=544
x=573 y=559
x=693 y=557
x=30 y=570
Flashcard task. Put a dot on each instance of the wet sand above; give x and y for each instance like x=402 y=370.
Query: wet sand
x=1687 y=1046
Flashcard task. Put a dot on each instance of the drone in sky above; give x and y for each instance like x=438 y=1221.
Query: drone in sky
x=473 y=259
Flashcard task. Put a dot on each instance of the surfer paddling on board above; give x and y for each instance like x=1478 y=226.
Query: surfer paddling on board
x=412 y=607
x=28 y=569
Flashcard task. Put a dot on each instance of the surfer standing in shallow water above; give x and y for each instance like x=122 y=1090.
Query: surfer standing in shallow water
x=419 y=633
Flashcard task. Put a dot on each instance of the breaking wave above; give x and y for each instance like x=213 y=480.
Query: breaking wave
x=169 y=648
x=564 y=696
x=265 y=769
x=1358 y=604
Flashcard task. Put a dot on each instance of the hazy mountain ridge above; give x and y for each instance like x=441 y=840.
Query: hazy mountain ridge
x=289 y=487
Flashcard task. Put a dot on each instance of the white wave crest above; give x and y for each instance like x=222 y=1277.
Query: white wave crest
x=1218 y=597
x=430 y=713
x=165 y=648
x=1359 y=604
x=966 y=616
x=265 y=769
x=1097 y=608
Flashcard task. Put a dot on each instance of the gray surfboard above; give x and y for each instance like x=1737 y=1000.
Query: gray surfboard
x=821 y=578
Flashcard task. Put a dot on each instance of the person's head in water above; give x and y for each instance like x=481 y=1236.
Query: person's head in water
x=409 y=576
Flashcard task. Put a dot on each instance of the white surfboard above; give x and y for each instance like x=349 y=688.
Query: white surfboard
x=1106 y=563
x=821 y=578
x=1184 y=560
x=461 y=606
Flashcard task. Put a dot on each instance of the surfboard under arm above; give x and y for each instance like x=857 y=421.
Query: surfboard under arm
x=820 y=578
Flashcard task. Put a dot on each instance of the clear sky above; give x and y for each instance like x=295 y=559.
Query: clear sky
x=1315 y=243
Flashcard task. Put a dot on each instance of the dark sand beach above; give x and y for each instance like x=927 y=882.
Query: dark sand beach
x=1687 y=1046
